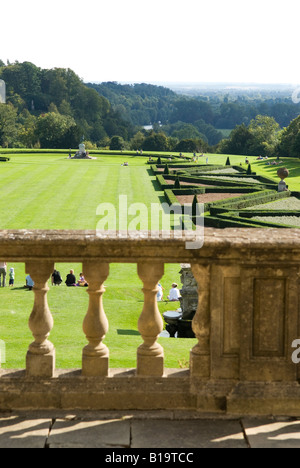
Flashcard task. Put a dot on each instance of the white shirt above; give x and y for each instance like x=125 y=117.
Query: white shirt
x=174 y=294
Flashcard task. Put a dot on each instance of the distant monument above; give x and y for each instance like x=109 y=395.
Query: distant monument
x=82 y=153
x=2 y=92
x=82 y=149
x=282 y=173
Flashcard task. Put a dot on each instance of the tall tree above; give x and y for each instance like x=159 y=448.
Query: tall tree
x=8 y=125
x=238 y=142
x=265 y=132
x=289 y=142
x=56 y=131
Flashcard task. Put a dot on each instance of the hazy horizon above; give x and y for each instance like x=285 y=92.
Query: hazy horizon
x=157 y=42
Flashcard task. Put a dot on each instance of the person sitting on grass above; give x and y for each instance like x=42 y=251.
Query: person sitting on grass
x=81 y=281
x=174 y=293
x=29 y=283
x=56 y=279
x=71 y=279
x=160 y=293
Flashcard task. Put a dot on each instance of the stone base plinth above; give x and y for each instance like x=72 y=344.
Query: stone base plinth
x=152 y=366
x=265 y=398
x=40 y=365
x=95 y=366
x=200 y=365
x=124 y=390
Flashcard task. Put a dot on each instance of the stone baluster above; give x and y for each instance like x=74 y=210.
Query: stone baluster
x=150 y=355
x=95 y=356
x=200 y=354
x=40 y=359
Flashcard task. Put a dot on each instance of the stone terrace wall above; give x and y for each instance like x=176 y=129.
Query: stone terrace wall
x=246 y=323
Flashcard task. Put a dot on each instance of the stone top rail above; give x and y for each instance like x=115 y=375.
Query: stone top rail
x=229 y=244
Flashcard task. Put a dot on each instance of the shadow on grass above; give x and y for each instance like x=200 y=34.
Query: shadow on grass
x=128 y=332
x=156 y=185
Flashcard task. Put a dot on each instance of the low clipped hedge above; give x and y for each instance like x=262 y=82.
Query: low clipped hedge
x=227 y=212
x=172 y=166
x=263 y=196
x=245 y=221
x=267 y=213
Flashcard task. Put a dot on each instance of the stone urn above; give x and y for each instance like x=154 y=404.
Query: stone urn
x=282 y=173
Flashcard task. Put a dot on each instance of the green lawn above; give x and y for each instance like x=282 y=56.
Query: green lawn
x=262 y=168
x=52 y=192
x=48 y=191
x=123 y=303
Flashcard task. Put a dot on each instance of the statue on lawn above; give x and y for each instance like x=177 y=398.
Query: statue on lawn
x=82 y=153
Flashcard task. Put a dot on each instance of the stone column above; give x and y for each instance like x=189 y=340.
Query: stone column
x=150 y=355
x=95 y=356
x=200 y=354
x=40 y=359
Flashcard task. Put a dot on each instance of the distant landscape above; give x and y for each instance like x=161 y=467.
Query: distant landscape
x=198 y=88
x=54 y=108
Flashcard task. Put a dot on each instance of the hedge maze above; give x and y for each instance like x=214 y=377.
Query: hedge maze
x=232 y=196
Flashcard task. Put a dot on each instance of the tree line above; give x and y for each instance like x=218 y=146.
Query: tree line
x=55 y=109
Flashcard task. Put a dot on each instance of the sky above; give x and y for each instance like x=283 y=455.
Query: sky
x=156 y=41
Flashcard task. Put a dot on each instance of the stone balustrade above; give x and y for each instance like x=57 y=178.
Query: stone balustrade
x=245 y=324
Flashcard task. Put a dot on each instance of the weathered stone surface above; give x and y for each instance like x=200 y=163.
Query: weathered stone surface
x=114 y=433
x=188 y=434
x=265 y=399
x=121 y=391
x=242 y=244
x=23 y=432
x=272 y=433
x=143 y=429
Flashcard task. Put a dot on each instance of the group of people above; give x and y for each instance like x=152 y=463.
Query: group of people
x=56 y=278
x=3 y=274
x=174 y=294
x=71 y=281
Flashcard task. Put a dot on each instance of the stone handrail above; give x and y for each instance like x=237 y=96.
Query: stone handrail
x=248 y=300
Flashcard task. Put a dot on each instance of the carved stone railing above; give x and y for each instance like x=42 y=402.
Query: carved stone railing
x=246 y=322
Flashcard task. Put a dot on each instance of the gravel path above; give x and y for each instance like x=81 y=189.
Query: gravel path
x=290 y=203
x=287 y=220
x=223 y=171
x=238 y=179
x=206 y=197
